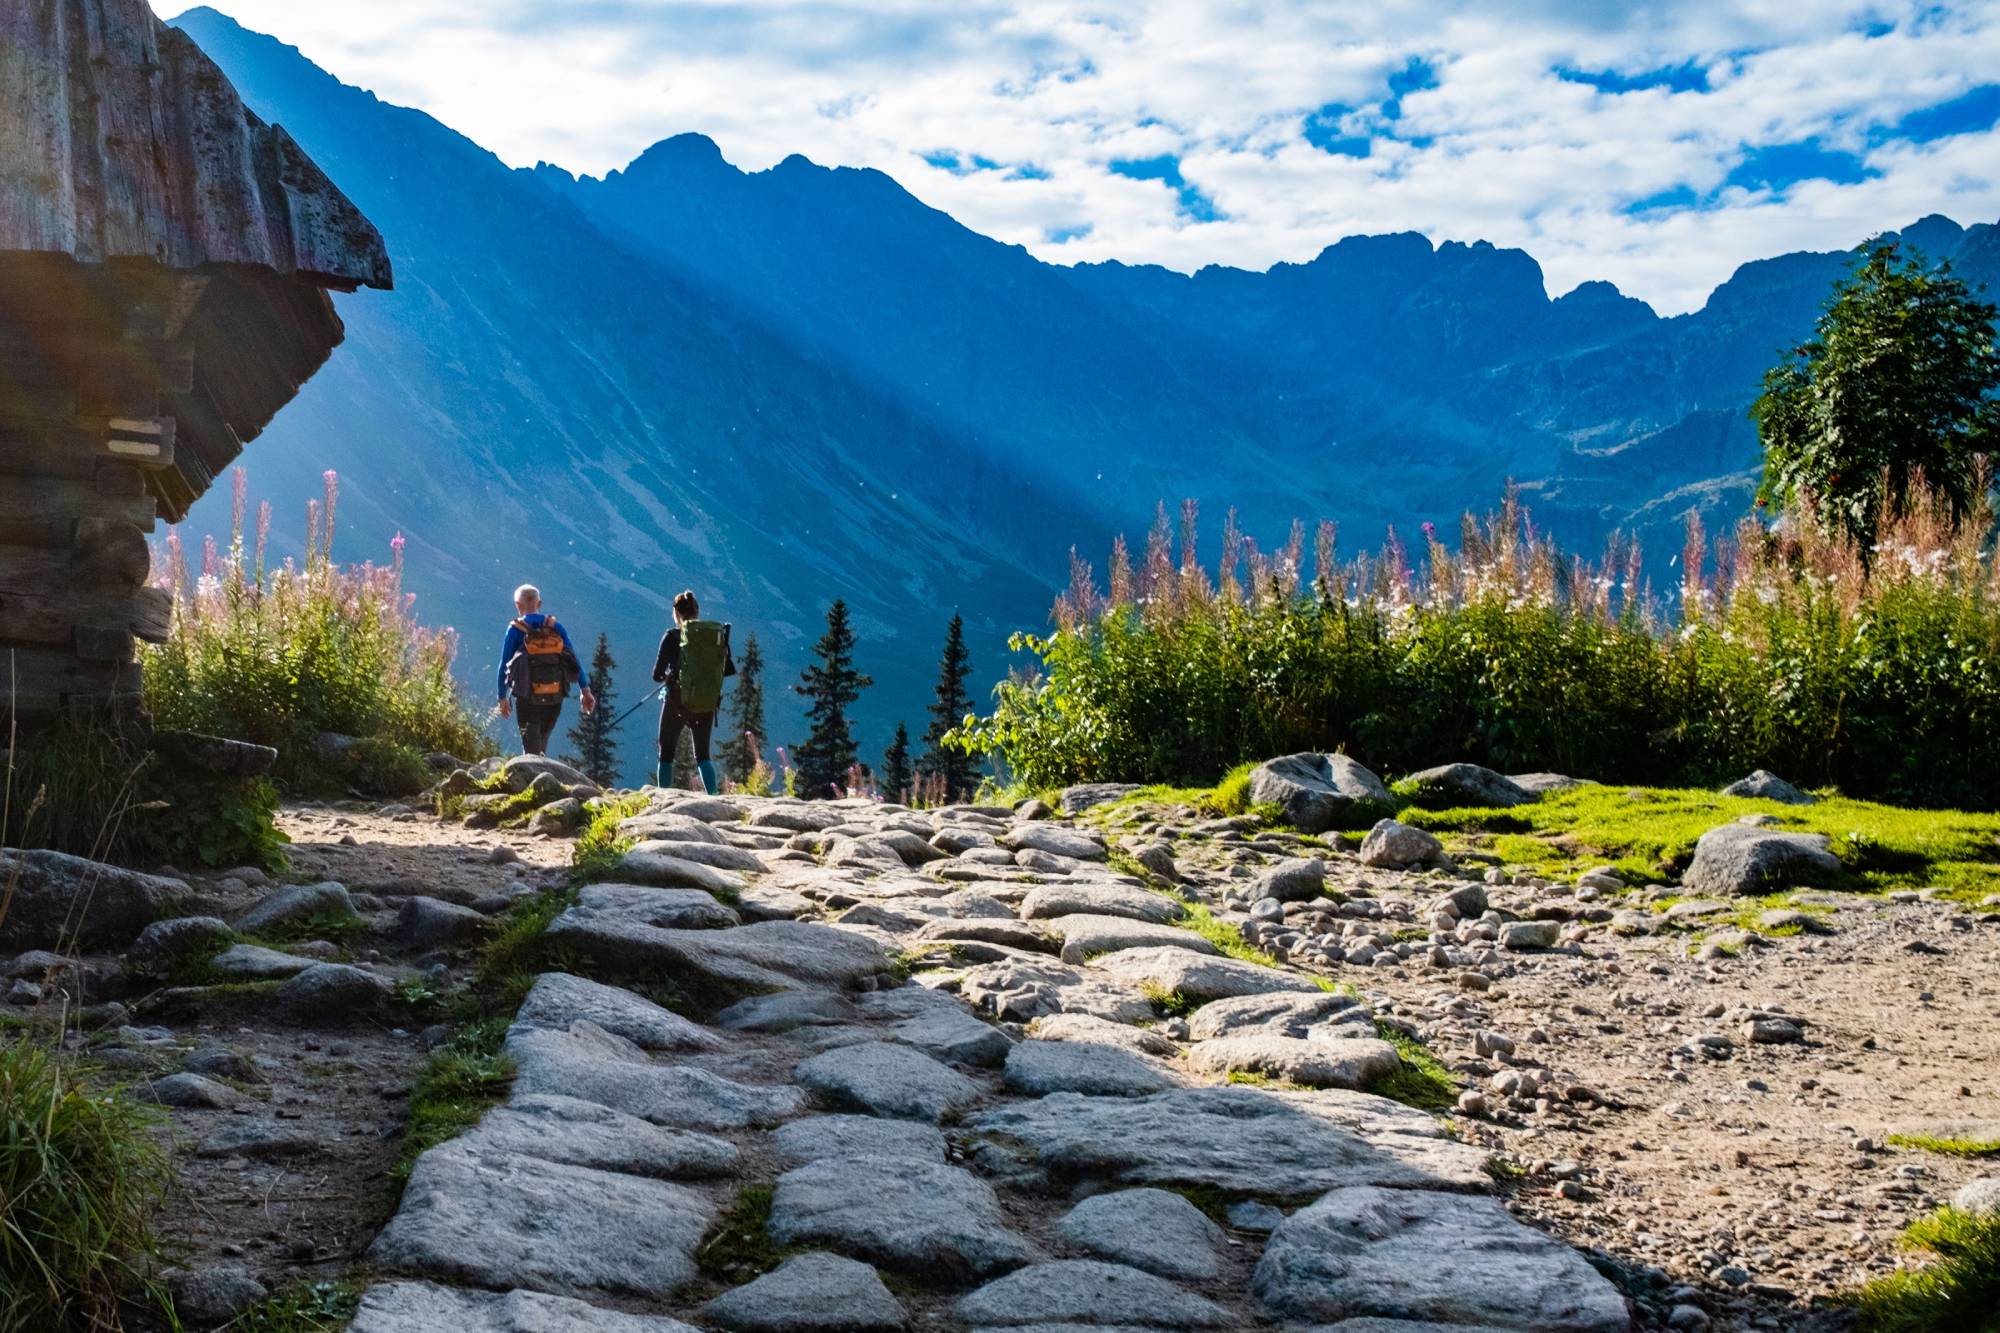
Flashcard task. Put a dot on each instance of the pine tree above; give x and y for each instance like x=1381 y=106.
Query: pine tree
x=739 y=752
x=596 y=750
x=832 y=684
x=896 y=766
x=947 y=711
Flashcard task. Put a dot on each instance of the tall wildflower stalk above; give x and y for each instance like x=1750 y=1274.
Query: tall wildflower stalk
x=1876 y=670
x=285 y=656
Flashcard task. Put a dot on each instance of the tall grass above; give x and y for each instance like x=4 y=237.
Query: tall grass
x=281 y=655
x=1877 y=671
x=79 y=1178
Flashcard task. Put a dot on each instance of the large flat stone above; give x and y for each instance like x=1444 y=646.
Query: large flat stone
x=1420 y=1255
x=935 y=1022
x=1286 y=1013
x=1055 y=840
x=1103 y=1032
x=499 y=1220
x=660 y=864
x=927 y=1219
x=819 y=1137
x=1196 y=979
x=1156 y=1230
x=254 y=962
x=811 y=1293
x=668 y=826
x=1022 y=989
x=1038 y=1068
x=558 y=999
x=425 y=1307
x=648 y=905
x=581 y=1133
x=1084 y=936
x=767 y=955
x=1087 y=1292
x=295 y=904
x=1238 y=1140
x=1313 y=1062
x=886 y=1079
x=987 y=930
x=787 y=1011
x=588 y=1063
x=1085 y=899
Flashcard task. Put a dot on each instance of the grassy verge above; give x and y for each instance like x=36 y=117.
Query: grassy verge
x=1649 y=833
x=1422 y=1081
x=600 y=844
x=1949 y=1147
x=80 y=1176
x=739 y=1246
x=464 y=1078
x=311 y=1307
x=1957 y=1292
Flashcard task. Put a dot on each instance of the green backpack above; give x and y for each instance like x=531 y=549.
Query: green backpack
x=704 y=656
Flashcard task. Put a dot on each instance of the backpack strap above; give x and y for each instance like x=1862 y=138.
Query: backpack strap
x=519 y=624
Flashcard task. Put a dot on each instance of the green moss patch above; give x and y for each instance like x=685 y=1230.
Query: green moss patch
x=1958 y=1291
x=1949 y=1147
x=739 y=1247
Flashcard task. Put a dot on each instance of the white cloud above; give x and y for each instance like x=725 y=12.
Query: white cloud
x=1500 y=149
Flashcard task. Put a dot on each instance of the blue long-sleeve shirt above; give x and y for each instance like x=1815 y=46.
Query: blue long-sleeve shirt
x=514 y=641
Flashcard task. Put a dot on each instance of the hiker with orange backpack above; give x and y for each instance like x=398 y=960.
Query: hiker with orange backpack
x=694 y=658
x=538 y=664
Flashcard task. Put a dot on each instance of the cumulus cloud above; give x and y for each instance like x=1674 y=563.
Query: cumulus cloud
x=1657 y=145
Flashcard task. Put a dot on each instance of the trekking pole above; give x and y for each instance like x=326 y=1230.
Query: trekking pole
x=619 y=721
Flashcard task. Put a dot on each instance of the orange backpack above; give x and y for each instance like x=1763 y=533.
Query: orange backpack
x=548 y=658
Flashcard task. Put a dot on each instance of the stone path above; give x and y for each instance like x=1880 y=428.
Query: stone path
x=1010 y=1138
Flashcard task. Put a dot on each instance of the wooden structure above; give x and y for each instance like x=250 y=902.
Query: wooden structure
x=165 y=261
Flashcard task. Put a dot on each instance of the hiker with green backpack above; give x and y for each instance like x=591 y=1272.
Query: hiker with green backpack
x=694 y=658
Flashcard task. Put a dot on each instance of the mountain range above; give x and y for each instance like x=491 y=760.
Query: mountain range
x=785 y=386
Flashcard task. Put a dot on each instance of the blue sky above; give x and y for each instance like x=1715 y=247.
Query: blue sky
x=1656 y=145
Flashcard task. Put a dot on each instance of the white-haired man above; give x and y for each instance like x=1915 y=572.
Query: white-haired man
x=538 y=664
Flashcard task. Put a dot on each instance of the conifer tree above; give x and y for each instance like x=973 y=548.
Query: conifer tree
x=948 y=710
x=832 y=684
x=739 y=752
x=896 y=766
x=596 y=753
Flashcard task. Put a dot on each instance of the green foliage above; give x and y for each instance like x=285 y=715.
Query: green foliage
x=310 y=1307
x=196 y=821
x=1897 y=385
x=80 y=1176
x=1948 y=1147
x=600 y=844
x=282 y=656
x=1422 y=1081
x=743 y=751
x=596 y=747
x=1649 y=833
x=950 y=704
x=739 y=1246
x=463 y=1079
x=1798 y=656
x=1957 y=1292
x=513 y=949
x=832 y=685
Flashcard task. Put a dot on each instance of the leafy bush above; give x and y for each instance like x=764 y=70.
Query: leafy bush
x=1877 y=672
x=284 y=656
x=79 y=1177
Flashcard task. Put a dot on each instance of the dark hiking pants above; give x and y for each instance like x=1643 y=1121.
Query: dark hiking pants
x=673 y=717
x=536 y=721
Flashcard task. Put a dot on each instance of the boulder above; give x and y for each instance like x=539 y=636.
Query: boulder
x=1467 y=784
x=1097 y=1031
x=560 y=818
x=425 y=1307
x=428 y=922
x=1741 y=859
x=1099 y=899
x=62 y=901
x=1086 y=1292
x=1156 y=1230
x=1420 y=1255
x=589 y=1063
x=1025 y=988
x=848 y=1137
x=580 y=1133
x=215 y=1295
x=504 y=1221
x=1037 y=1068
x=1297 y=880
x=990 y=930
x=1318 y=1061
x=1075 y=800
x=254 y=962
x=1394 y=845
x=1056 y=840
x=1238 y=1140
x=922 y=1218
x=557 y=1000
x=519 y=773
x=765 y=955
x=1519 y=935
x=191 y=1092
x=1284 y=1013
x=1086 y=936
x=808 y=1293
x=1159 y=858
x=1319 y=791
x=661 y=865
x=666 y=908
x=1765 y=785
x=670 y=826
x=886 y=1079
x=164 y=945
x=935 y=1022
x=1194 y=978
x=331 y=992
x=297 y=905
x=1541 y=784
x=1980 y=1197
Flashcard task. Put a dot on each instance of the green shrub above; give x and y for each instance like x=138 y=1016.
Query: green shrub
x=1879 y=676
x=79 y=1179
x=283 y=656
x=1957 y=1292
